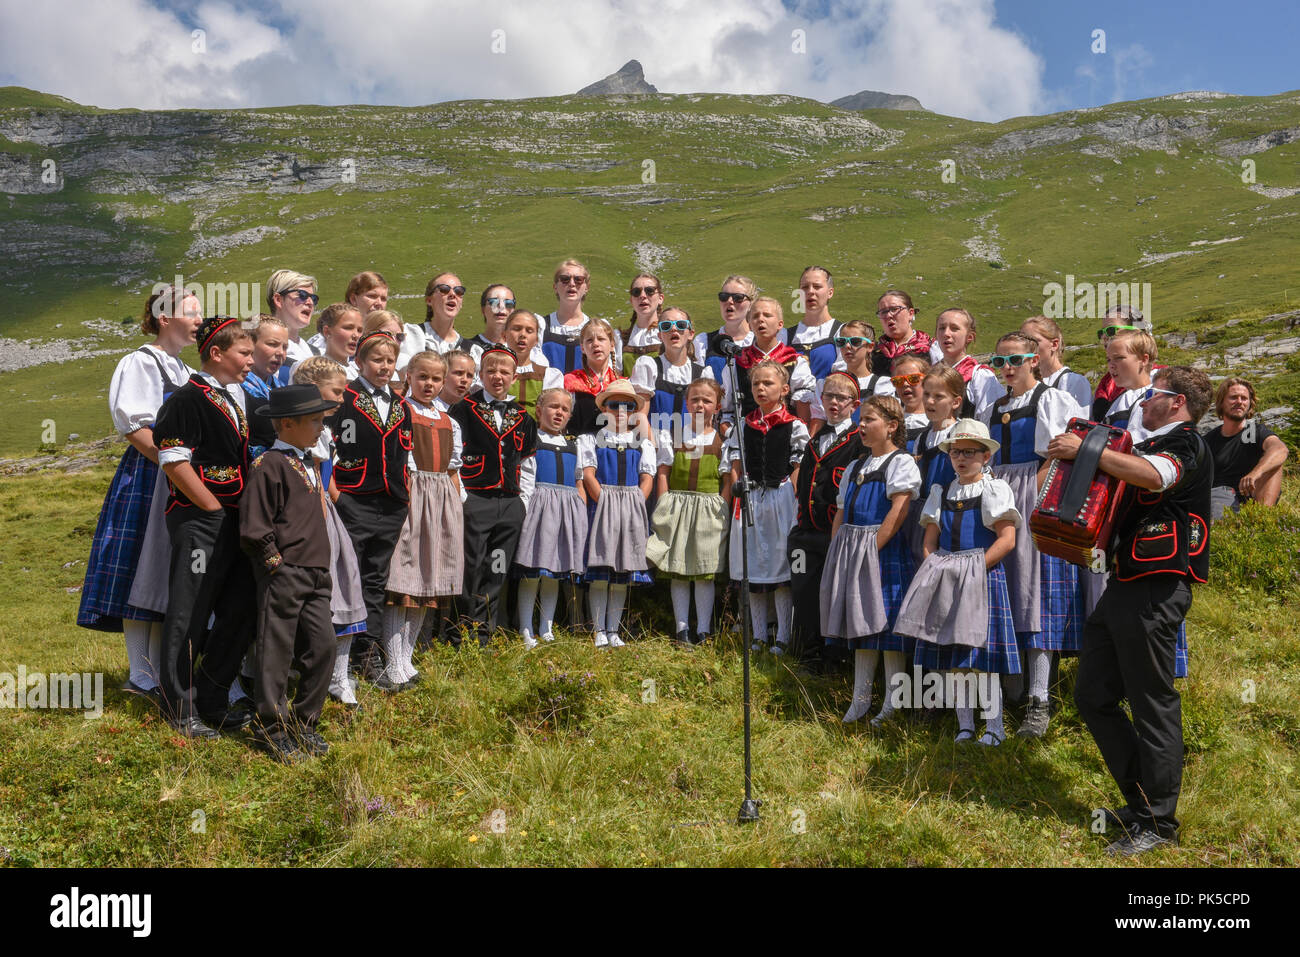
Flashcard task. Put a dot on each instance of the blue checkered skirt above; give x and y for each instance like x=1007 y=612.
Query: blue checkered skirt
x=115 y=548
x=1062 y=609
x=999 y=654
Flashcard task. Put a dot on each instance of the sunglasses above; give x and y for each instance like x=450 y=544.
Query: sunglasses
x=566 y=279
x=668 y=325
x=1107 y=331
x=1020 y=358
x=882 y=313
x=912 y=378
x=443 y=288
x=498 y=301
x=964 y=453
x=732 y=297
x=643 y=290
x=620 y=405
x=302 y=295
x=1150 y=393
x=856 y=342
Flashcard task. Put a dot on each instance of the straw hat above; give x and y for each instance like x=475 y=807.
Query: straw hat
x=969 y=430
x=618 y=389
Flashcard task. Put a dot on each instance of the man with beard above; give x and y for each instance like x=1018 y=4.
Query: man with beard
x=1248 y=457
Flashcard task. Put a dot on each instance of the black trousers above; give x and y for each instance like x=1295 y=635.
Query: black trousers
x=1128 y=653
x=374 y=523
x=209 y=576
x=806 y=549
x=294 y=629
x=491 y=535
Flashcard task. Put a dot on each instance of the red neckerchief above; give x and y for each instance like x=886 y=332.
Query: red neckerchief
x=780 y=354
x=917 y=343
x=584 y=380
x=764 y=423
x=968 y=366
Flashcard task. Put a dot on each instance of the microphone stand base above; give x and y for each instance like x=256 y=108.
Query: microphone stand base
x=748 y=811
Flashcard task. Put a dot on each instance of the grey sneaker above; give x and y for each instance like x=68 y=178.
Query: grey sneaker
x=1036 y=719
x=1140 y=840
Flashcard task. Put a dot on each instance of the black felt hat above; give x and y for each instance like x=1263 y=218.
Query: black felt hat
x=291 y=401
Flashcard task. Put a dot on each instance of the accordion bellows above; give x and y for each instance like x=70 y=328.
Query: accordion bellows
x=1078 y=504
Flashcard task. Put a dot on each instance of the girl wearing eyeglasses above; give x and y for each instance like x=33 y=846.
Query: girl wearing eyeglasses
x=907 y=375
x=443 y=297
x=854 y=342
x=642 y=338
x=663 y=380
x=561 y=332
x=1044 y=590
x=734 y=300
x=292 y=298
x=897 y=337
x=958 y=606
x=869 y=565
x=1130 y=356
x=618 y=469
x=496 y=303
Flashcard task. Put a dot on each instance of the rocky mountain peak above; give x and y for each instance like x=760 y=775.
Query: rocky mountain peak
x=875 y=100
x=630 y=78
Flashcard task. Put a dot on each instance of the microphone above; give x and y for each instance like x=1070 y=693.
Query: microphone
x=724 y=345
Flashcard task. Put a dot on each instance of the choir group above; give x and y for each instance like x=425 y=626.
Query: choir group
x=382 y=480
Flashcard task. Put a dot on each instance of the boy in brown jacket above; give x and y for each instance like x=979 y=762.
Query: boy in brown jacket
x=282 y=528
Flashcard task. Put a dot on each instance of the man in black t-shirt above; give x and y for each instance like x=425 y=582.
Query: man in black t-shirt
x=1248 y=457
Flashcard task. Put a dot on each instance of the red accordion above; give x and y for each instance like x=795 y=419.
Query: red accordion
x=1079 y=504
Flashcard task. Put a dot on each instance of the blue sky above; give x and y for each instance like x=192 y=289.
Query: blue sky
x=981 y=59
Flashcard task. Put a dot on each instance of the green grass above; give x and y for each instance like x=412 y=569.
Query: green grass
x=479 y=765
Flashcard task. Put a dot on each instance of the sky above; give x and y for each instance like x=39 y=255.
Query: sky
x=978 y=59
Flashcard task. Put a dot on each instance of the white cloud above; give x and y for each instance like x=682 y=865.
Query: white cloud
x=949 y=54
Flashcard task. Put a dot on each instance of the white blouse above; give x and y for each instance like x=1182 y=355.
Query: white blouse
x=690 y=440
x=1132 y=400
x=901 y=475
x=802 y=385
x=136 y=392
x=640 y=338
x=646 y=373
x=702 y=345
x=998 y=504
x=1072 y=382
x=607 y=439
x=1055 y=410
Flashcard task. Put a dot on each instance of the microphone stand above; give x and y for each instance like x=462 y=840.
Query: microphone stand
x=748 y=807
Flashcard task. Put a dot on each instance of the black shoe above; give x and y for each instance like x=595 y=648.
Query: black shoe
x=1140 y=840
x=152 y=695
x=383 y=683
x=237 y=716
x=312 y=744
x=192 y=727
x=279 y=745
x=683 y=639
x=1124 y=821
x=1034 y=724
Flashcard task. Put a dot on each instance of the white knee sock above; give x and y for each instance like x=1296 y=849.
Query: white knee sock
x=340 y=683
x=598 y=599
x=550 y=588
x=394 y=620
x=410 y=632
x=992 y=706
x=758 y=616
x=895 y=664
x=681 y=592
x=137 y=653
x=527 y=598
x=784 y=610
x=704 y=593
x=864 y=675
x=1039 y=672
x=617 y=602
